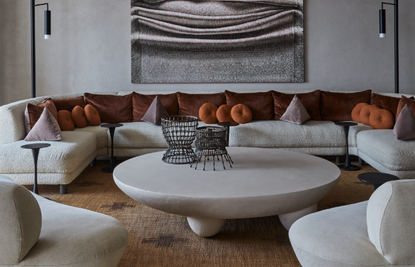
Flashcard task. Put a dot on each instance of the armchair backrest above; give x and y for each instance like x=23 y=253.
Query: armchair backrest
x=391 y=221
x=20 y=221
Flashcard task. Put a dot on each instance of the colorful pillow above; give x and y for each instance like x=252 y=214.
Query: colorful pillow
x=405 y=101
x=261 y=104
x=45 y=129
x=92 y=115
x=207 y=113
x=385 y=102
x=223 y=114
x=65 y=120
x=79 y=117
x=405 y=125
x=155 y=112
x=241 y=113
x=32 y=113
x=311 y=102
x=356 y=111
x=296 y=112
x=365 y=113
x=189 y=104
x=339 y=106
x=141 y=104
x=381 y=119
x=68 y=103
x=112 y=108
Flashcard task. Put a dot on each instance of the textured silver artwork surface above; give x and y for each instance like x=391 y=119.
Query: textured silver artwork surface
x=228 y=41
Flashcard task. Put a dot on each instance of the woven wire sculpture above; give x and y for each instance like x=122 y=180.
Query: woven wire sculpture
x=179 y=132
x=211 y=143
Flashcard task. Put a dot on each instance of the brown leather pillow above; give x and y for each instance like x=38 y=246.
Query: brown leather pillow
x=112 y=108
x=381 y=119
x=241 y=113
x=207 y=113
x=189 y=104
x=311 y=102
x=32 y=112
x=405 y=101
x=141 y=103
x=223 y=114
x=65 y=120
x=356 y=111
x=365 y=113
x=92 y=115
x=261 y=104
x=339 y=106
x=385 y=102
x=79 y=117
x=69 y=103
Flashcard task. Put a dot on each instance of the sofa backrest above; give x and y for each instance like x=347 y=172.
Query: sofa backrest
x=390 y=221
x=20 y=221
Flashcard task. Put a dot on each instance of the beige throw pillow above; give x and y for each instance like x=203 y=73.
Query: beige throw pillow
x=296 y=112
x=45 y=129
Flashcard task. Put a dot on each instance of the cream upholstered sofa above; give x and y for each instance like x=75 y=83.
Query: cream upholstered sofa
x=64 y=160
x=378 y=232
x=39 y=232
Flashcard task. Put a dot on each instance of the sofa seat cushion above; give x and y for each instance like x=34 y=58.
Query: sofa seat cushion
x=383 y=147
x=317 y=241
x=280 y=134
x=61 y=157
x=100 y=133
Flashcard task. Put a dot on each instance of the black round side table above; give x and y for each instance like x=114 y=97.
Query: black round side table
x=227 y=125
x=111 y=126
x=376 y=178
x=35 y=152
x=347 y=166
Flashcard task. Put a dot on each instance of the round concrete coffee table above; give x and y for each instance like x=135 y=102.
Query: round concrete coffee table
x=262 y=182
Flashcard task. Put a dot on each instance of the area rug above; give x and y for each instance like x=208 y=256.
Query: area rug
x=160 y=239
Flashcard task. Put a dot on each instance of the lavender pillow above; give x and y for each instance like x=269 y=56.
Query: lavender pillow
x=296 y=112
x=45 y=129
x=404 y=128
x=155 y=112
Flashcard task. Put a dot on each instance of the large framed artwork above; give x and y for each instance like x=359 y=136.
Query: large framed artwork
x=217 y=41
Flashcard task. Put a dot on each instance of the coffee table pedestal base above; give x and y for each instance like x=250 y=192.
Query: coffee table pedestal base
x=205 y=227
x=287 y=219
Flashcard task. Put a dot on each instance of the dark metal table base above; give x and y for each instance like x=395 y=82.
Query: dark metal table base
x=111 y=126
x=35 y=152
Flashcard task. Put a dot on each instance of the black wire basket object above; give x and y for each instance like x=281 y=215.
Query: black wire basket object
x=211 y=144
x=179 y=132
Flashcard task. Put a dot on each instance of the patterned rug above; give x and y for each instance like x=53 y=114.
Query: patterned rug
x=160 y=239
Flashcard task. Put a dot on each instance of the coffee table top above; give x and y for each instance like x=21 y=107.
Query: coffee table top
x=277 y=181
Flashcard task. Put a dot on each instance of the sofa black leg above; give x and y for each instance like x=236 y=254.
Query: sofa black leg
x=360 y=161
x=93 y=162
x=337 y=159
x=63 y=188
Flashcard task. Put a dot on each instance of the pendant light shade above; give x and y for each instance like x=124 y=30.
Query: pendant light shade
x=48 y=27
x=382 y=23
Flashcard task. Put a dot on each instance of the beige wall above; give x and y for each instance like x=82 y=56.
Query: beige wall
x=90 y=49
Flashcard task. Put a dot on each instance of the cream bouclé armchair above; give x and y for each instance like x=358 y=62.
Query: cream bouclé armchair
x=378 y=232
x=38 y=232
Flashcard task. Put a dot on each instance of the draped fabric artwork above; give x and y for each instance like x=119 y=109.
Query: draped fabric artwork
x=212 y=41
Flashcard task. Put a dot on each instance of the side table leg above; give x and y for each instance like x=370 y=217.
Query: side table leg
x=205 y=227
x=35 y=153
x=288 y=219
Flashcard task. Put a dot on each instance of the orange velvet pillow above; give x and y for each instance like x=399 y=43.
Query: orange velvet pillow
x=189 y=104
x=381 y=119
x=79 y=117
x=339 y=106
x=241 y=113
x=92 y=115
x=207 y=113
x=365 y=113
x=356 y=111
x=311 y=102
x=261 y=104
x=223 y=114
x=32 y=112
x=65 y=120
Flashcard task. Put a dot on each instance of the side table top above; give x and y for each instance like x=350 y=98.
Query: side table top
x=376 y=177
x=110 y=125
x=345 y=123
x=35 y=145
x=228 y=123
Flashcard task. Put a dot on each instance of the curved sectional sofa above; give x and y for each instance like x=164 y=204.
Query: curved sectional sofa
x=64 y=160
